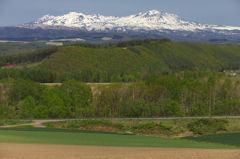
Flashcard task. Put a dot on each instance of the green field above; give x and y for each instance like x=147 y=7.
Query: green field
x=94 y=138
x=225 y=139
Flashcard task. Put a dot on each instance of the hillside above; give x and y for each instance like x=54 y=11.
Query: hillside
x=154 y=57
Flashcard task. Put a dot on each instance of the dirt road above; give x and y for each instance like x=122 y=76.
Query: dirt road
x=32 y=151
x=37 y=123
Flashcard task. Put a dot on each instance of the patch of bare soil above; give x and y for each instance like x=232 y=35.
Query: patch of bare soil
x=34 y=151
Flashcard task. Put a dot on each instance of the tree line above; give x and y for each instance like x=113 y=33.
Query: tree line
x=189 y=93
x=24 y=58
x=88 y=76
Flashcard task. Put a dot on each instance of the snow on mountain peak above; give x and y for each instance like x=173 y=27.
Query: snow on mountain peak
x=151 y=12
x=151 y=20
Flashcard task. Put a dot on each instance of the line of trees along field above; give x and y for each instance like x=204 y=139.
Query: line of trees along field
x=89 y=76
x=23 y=58
x=182 y=94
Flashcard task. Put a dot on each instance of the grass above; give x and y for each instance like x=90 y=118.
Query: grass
x=23 y=126
x=225 y=139
x=94 y=138
x=13 y=122
x=178 y=126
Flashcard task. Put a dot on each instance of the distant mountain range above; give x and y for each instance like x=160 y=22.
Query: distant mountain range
x=151 y=22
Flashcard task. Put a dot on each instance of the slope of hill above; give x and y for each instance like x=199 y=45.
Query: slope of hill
x=153 y=57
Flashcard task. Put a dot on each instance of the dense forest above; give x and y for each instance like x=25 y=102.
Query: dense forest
x=154 y=56
x=149 y=55
x=189 y=93
x=125 y=61
x=90 y=76
x=10 y=48
x=157 y=78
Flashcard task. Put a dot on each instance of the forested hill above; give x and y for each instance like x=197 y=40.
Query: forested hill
x=154 y=57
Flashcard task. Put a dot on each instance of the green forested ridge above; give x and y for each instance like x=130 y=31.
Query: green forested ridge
x=153 y=57
x=128 y=60
x=180 y=94
x=125 y=61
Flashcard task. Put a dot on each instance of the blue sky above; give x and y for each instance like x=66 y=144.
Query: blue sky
x=221 y=12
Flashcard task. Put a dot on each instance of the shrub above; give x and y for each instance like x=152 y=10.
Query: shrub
x=150 y=126
x=207 y=126
x=87 y=123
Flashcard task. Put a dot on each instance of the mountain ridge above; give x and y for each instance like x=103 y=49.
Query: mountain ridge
x=151 y=22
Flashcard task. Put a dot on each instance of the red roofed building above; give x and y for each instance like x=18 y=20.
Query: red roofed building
x=10 y=65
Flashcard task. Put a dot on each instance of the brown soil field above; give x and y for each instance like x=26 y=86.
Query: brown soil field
x=34 y=151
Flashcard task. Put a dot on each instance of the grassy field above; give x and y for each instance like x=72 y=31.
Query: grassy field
x=225 y=139
x=94 y=138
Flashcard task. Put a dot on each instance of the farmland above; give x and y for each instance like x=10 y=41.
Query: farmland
x=225 y=139
x=94 y=138
x=58 y=143
x=61 y=143
x=42 y=151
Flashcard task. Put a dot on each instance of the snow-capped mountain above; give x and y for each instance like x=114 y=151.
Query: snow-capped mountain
x=149 y=21
x=152 y=22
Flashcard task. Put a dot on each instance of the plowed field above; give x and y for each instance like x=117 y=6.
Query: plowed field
x=39 y=151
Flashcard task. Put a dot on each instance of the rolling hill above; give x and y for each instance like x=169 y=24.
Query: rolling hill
x=155 y=57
